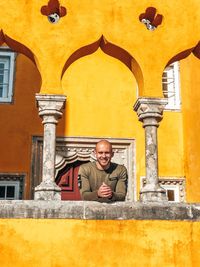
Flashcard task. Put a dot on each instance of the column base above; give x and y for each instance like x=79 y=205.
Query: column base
x=47 y=190
x=153 y=194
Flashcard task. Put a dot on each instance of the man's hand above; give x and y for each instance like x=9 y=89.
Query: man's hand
x=104 y=191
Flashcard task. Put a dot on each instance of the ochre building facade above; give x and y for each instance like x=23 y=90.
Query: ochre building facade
x=100 y=72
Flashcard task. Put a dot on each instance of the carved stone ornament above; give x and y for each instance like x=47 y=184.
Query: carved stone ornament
x=150 y=109
x=150 y=112
x=50 y=111
x=50 y=107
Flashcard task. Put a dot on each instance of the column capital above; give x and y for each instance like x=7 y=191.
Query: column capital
x=150 y=110
x=50 y=107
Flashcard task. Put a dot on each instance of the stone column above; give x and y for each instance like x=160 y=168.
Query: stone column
x=150 y=112
x=50 y=107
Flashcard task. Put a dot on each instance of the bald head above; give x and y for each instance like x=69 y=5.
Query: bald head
x=104 y=154
x=104 y=143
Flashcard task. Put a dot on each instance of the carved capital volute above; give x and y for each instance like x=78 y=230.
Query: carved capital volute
x=150 y=110
x=50 y=107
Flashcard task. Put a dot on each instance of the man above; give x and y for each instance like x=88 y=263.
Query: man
x=103 y=180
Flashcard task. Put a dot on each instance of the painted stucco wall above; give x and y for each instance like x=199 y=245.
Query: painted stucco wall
x=191 y=123
x=85 y=23
x=56 y=243
x=100 y=89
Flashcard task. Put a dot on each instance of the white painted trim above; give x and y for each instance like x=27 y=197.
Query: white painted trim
x=11 y=56
x=173 y=87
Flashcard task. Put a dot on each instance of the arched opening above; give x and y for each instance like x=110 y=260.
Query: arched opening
x=100 y=94
x=111 y=50
x=184 y=133
x=20 y=80
x=171 y=77
x=16 y=46
x=99 y=88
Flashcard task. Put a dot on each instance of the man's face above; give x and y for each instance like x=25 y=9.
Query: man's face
x=104 y=154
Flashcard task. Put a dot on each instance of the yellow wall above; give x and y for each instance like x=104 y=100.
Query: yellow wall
x=101 y=92
x=191 y=110
x=117 y=21
x=56 y=243
x=100 y=89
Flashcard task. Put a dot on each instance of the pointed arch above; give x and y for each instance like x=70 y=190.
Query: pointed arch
x=185 y=53
x=180 y=56
x=111 y=50
x=170 y=76
x=16 y=46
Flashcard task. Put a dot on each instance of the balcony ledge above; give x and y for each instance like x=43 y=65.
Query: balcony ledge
x=89 y=210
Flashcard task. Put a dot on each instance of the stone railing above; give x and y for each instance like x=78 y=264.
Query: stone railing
x=98 y=211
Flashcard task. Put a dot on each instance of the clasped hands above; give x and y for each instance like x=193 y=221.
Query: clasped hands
x=105 y=191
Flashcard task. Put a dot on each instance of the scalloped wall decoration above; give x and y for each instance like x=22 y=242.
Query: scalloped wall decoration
x=150 y=19
x=54 y=11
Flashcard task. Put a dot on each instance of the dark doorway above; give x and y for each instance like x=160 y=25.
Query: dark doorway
x=67 y=179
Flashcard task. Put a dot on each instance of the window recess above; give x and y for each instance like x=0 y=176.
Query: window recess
x=171 y=86
x=7 y=66
x=11 y=186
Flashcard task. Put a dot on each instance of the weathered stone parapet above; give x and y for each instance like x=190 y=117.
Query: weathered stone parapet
x=89 y=210
x=50 y=110
x=150 y=112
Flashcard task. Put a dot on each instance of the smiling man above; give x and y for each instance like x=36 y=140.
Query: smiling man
x=103 y=180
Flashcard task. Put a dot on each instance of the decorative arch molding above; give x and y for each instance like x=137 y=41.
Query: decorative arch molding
x=196 y=50
x=16 y=46
x=72 y=156
x=185 y=53
x=111 y=50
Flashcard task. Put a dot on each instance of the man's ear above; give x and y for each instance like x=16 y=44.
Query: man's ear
x=112 y=154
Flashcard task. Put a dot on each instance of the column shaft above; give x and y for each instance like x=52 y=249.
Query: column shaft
x=151 y=154
x=150 y=112
x=50 y=111
x=49 y=145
